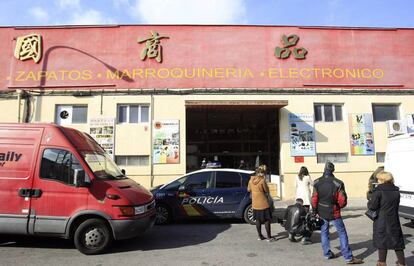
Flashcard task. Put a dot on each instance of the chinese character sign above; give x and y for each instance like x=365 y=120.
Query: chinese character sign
x=166 y=141
x=302 y=135
x=103 y=131
x=361 y=134
x=29 y=47
x=153 y=48
x=288 y=42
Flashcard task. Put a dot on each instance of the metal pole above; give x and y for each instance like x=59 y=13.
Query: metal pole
x=152 y=141
x=19 y=97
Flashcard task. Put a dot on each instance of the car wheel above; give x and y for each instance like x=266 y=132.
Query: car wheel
x=163 y=214
x=248 y=215
x=93 y=236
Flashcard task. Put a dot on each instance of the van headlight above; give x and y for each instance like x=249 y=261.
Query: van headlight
x=140 y=209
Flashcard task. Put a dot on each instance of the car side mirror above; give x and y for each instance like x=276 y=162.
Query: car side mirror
x=123 y=172
x=79 y=178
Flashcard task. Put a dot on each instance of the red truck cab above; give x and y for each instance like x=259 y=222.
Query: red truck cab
x=57 y=181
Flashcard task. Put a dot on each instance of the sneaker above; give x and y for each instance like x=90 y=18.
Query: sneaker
x=261 y=238
x=306 y=242
x=355 y=261
x=292 y=238
x=272 y=239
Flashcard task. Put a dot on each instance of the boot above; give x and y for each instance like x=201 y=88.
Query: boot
x=397 y=264
x=379 y=263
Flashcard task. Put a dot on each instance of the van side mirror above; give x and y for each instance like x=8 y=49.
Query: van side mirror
x=79 y=178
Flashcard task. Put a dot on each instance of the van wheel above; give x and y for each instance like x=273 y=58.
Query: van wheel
x=248 y=215
x=93 y=236
x=163 y=214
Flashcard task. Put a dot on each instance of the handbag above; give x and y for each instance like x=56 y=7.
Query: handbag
x=371 y=214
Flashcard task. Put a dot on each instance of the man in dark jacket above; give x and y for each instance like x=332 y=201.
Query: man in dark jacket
x=295 y=224
x=328 y=198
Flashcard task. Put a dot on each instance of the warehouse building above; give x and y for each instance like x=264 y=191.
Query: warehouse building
x=163 y=100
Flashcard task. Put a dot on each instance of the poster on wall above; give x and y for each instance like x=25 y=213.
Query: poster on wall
x=302 y=135
x=103 y=131
x=361 y=134
x=166 y=141
x=410 y=123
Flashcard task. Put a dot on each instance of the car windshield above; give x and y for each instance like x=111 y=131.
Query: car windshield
x=102 y=166
x=176 y=184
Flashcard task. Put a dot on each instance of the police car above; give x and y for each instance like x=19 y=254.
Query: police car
x=206 y=193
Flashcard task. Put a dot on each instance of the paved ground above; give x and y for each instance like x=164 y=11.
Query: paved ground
x=205 y=243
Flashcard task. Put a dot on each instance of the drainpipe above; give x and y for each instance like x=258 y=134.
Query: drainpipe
x=19 y=98
x=152 y=141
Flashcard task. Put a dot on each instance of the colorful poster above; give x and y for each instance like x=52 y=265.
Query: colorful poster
x=103 y=131
x=166 y=141
x=410 y=123
x=361 y=134
x=302 y=135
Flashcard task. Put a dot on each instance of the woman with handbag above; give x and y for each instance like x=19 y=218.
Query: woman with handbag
x=261 y=208
x=387 y=233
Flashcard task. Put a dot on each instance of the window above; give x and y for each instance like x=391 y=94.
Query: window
x=197 y=181
x=227 y=179
x=133 y=114
x=328 y=112
x=332 y=157
x=380 y=157
x=135 y=160
x=71 y=114
x=59 y=165
x=384 y=112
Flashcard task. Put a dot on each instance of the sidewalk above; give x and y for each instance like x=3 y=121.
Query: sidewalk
x=353 y=204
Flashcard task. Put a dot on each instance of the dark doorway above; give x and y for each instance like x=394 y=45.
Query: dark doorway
x=232 y=134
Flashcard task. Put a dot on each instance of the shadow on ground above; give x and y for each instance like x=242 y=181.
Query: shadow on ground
x=157 y=238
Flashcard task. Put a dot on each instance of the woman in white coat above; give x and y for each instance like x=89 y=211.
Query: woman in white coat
x=304 y=185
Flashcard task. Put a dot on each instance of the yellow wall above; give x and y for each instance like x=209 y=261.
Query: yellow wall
x=135 y=139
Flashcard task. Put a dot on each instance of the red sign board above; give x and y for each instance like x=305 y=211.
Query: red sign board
x=128 y=57
x=299 y=159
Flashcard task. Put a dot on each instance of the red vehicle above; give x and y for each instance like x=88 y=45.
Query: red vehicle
x=57 y=181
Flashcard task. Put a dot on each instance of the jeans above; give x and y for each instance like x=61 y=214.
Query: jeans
x=343 y=239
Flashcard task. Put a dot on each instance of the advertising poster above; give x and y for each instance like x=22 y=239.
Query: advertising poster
x=361 y=134
x=410 y=123
x=103 y=131
x=302 y=135
x=166 y=141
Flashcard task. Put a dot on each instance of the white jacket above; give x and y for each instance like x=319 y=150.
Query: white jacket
x=304 y=189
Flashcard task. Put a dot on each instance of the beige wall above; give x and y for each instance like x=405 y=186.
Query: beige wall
x=9 y=110
x=135 y=139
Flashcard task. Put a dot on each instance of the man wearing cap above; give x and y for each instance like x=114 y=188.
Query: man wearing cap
x=328 y=198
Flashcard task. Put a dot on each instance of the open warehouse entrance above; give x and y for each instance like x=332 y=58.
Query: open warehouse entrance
x=233 y=132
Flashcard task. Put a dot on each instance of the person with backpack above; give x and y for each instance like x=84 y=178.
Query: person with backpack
x=328 y=198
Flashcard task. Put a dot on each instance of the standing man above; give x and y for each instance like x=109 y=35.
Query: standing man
x=328 y=198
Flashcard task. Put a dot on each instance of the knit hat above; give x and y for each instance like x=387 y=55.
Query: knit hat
x=329 y=168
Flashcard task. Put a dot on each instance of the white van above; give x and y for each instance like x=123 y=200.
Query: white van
x=399 y=160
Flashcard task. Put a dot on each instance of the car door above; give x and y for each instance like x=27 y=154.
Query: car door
x=58 y=198
x=194 y=195
x=227 y=193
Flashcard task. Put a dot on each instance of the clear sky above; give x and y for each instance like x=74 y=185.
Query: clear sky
x=354 y=13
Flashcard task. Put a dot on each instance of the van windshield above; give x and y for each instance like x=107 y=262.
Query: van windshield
x=102 y=165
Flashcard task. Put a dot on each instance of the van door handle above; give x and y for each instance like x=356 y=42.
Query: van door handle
x=24 y=192
x=36 y=193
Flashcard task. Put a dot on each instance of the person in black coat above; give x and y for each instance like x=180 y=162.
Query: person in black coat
x=296 y=224
x=387 y=233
